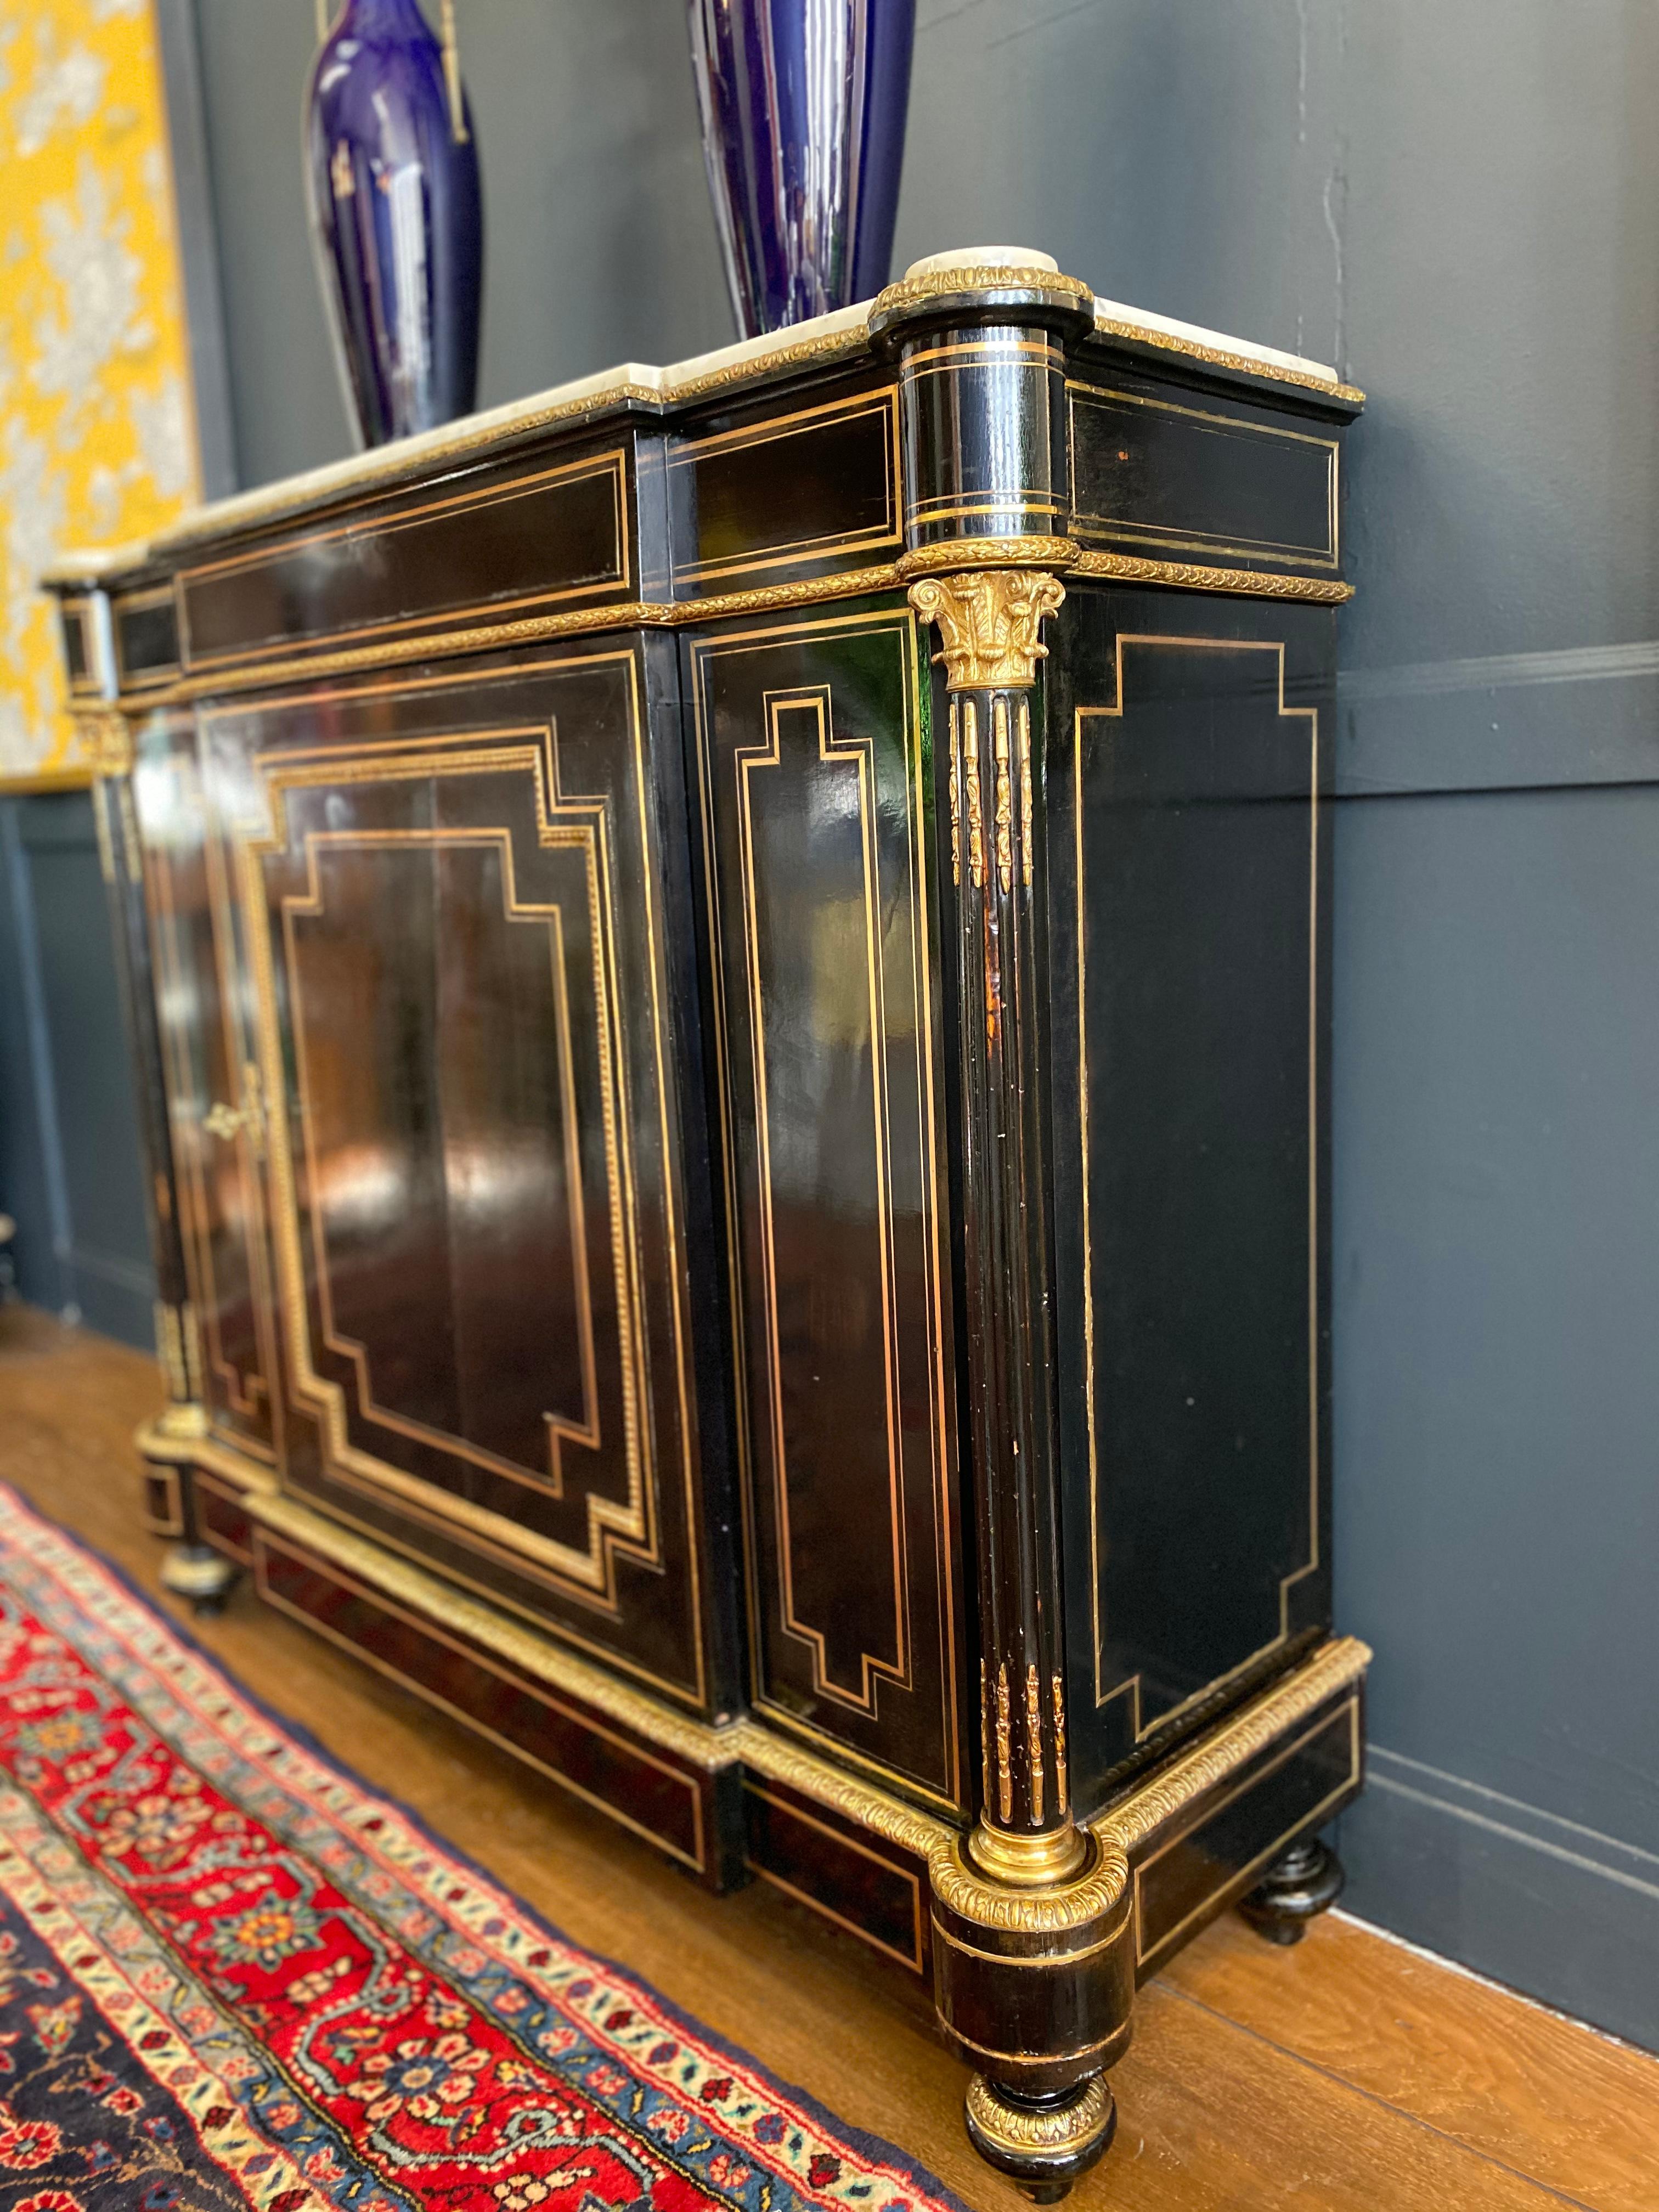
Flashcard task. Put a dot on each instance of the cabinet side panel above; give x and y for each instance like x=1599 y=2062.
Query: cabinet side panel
x=1190 y=924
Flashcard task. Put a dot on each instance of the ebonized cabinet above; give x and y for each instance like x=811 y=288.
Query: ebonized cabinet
x=730 y=969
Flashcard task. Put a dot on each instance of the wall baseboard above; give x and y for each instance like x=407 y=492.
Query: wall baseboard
x=1556 y=1910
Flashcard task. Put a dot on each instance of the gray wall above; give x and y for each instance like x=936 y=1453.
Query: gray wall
x=1459 y=205
x=70 y=1171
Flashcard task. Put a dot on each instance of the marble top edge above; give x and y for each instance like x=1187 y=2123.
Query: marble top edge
x=1109 y=314
x=825 y=336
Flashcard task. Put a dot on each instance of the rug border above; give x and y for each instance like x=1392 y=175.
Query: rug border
x=875 y=2147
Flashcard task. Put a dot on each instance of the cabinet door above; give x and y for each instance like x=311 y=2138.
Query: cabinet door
x=817 y=814
x=212 y=1088
x=455 y=897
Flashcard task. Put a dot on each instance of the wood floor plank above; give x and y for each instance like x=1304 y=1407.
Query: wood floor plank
x=1572 y=2109
x=1212 y=2116
x=1217 y=2114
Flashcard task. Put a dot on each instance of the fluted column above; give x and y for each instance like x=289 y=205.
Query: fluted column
x=990 y=625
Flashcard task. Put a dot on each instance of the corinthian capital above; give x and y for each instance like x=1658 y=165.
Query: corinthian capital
x=990 y=625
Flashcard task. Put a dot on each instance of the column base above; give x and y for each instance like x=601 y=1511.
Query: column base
x=1043 y=2143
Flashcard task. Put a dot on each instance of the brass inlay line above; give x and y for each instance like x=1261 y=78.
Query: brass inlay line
x=632 y=1525
x=1240 y=1879
x=975 y=818
x=1062 y=555
x=1027 y=851
x=1034 y=1742
x=858 y=753
x=1131 y=1686
x=695 y=1742
x=237 y=1046
x=591 y=468
x=1154 y=1804
x=1062 y=1793
x=1004 y=805
x=427 y=1627
x=913 y=1958
x=995 y=349
x=766 y=641
x=784 y=552
x=1016 y=500
x=1005 y=1769
x=200 y=1214
x=1125 y=526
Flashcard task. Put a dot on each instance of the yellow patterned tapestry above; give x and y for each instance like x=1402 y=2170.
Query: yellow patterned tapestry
x=96 y=441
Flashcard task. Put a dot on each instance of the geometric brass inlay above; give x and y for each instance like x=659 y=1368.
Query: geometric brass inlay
x=856 y=754
x=885 y=923
x=580 y=825
x=1132 y=1687
x=318 y=844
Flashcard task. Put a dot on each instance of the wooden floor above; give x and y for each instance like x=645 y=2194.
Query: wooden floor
x=1347 y=2076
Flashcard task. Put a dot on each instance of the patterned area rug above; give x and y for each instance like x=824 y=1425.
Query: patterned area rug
x=230 y=1975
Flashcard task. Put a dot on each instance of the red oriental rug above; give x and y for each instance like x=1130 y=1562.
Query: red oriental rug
x=230 y=1975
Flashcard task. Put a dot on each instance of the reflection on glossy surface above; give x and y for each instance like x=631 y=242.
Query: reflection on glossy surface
x=803 y=109
x=398 y=214
x=811 y=772
x=407 y=1161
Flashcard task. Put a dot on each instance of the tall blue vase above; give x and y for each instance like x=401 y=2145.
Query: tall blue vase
x=804 y=105
x=398 y=216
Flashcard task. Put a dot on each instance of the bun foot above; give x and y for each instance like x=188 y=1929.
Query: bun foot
x=1042 y=2143
x=1305 y=1882
x=198 y=1572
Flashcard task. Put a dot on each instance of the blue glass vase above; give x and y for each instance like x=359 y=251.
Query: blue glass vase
x=397 y=215
x=804 y=105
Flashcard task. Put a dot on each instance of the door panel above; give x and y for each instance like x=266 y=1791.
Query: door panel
x=809 y=742
x=455 y=904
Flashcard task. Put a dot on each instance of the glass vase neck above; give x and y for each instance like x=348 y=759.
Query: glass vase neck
x=380 y=18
